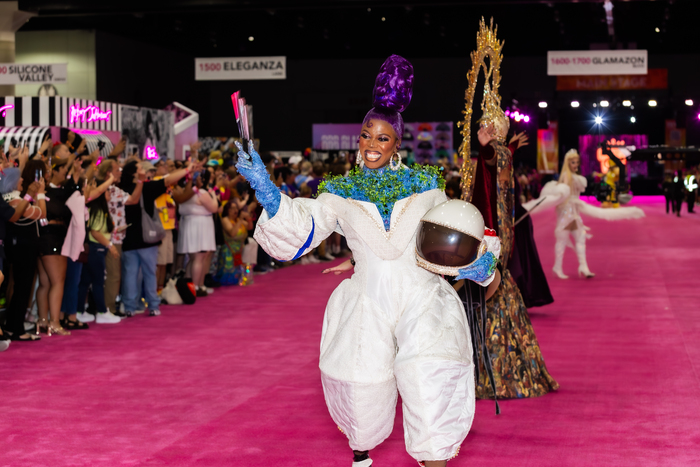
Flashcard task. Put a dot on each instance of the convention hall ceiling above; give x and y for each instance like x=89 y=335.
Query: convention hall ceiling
x=359 y=29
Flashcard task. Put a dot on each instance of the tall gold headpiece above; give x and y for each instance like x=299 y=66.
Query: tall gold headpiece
x=487 y=46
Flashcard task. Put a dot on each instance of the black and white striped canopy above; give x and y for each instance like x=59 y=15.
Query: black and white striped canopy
x=33 y=135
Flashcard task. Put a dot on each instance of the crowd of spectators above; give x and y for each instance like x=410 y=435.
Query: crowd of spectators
x=91 y=239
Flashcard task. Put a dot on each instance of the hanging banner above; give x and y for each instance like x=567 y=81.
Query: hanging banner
x=656 y=78
x=597 y=62
x=240 y=68
x=548 y=149
x=23 y=73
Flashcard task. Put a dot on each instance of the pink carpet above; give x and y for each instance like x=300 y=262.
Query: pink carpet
x=234 y=380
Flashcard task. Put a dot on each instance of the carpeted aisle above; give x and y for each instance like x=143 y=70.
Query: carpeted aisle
x=234 y=381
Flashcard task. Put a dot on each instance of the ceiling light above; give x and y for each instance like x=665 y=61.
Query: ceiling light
x=598 y=120
x=543 y=105
x=627 y=103
x=604 y=103
x=251 y=38
x=595 y=105
x=574 y=104
x=689 y=102
x=633 y=120
x=652 y=103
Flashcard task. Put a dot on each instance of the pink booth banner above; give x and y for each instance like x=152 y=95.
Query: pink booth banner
x=589 y=149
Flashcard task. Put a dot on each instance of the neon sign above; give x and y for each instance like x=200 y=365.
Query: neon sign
x=150 y=153
x=81 y=131
x=88 y=114
x=5 y=108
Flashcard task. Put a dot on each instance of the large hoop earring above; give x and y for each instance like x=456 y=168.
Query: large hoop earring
x=359 y=160
x=398 y=162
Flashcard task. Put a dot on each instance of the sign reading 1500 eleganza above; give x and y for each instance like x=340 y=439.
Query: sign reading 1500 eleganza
x=240 y=68
x=597 y=62
x=22 y=73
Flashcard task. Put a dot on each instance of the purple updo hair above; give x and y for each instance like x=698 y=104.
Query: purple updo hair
x=393 y=90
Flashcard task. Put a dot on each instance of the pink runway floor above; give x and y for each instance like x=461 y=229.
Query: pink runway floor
x=234 y=381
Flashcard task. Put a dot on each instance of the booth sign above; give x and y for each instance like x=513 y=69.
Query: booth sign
x=23 y=73
x=597 y=62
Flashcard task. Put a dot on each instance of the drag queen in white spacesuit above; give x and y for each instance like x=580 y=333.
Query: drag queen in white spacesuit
x=393 y=327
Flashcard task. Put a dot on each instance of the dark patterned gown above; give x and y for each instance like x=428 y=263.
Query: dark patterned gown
x=518 y=366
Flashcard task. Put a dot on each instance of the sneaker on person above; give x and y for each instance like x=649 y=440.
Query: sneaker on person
x=313 y=259
x=85 y=317
x=4 y=345
x=328 y=256
x=153 y=312
x=107 y=318
x=209 y=290
x=201 y=292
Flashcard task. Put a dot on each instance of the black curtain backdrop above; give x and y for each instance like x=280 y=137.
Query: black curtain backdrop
x=340 y=91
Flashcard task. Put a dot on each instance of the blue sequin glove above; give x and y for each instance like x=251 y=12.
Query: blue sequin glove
x=253 y=169
x=479 y=270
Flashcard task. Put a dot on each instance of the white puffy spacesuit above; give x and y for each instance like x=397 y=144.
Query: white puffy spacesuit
x=392 y=325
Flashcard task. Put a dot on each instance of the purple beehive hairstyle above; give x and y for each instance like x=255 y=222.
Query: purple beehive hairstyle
x=393 y=89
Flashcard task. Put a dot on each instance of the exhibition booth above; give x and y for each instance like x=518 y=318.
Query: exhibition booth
x=152 y=133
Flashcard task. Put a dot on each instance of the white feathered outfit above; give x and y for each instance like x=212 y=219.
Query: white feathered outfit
x=569 y=207
x=392 y=325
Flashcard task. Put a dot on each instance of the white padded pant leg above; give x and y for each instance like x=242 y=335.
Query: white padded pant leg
x=435 y=375
x=364 y=412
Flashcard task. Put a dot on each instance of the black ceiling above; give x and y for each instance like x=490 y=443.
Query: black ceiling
x=362 y=29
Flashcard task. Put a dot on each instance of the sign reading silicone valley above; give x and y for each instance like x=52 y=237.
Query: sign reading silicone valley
x=22 y=73
x=240 y=68
x=597 y=62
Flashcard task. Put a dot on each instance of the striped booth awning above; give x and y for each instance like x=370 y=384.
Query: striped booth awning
x=92 y=139
x=32 y=135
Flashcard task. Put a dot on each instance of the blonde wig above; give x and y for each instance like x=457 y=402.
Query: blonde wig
x=566 y=176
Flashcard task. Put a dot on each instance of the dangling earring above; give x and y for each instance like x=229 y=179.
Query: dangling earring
x=398 y=162
x=359 y=160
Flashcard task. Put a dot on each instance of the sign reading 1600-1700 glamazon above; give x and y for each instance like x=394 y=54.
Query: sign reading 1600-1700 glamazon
x=240 y=68
x=22 y=73
x=597 y=62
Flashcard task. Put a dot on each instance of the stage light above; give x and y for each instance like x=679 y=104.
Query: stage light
x=689 y=102
x=507 y=113
x=543 y=105
x=627 y=103
x=604 y=103
x=598 y=120
x=633 y=120
x=574 y=104
x=383 y=18
x=595 y=105
x=526 y=118
x=251 y=38
x=698 y=116
x=657 y=30
x=652 y=103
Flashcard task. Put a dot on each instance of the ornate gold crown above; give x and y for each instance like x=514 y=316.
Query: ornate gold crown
x=487 y=46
